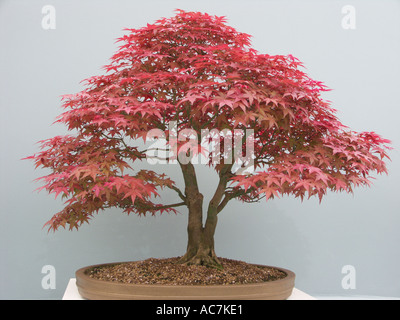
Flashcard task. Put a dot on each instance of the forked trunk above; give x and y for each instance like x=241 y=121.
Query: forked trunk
x=200 y=248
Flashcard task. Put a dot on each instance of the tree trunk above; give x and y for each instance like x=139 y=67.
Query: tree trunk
x=200 y=248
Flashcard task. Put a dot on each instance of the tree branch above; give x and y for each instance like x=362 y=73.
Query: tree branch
x=170 y=206
x=224 y=176
x=224 y=202
x=179 y=192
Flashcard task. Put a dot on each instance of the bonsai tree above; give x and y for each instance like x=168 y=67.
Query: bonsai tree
x=178 y=79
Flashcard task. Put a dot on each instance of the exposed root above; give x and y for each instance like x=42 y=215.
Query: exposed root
x=205 y=258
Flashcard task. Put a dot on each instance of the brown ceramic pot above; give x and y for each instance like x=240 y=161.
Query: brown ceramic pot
x=94 y=289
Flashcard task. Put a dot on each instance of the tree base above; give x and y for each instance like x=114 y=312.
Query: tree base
x=202 y=257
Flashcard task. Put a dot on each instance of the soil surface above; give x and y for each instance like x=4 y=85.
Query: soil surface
x=169 y=272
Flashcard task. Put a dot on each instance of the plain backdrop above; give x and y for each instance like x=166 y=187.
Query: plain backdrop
x=316 y=241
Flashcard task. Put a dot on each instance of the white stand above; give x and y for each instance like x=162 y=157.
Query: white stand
x=71 y=293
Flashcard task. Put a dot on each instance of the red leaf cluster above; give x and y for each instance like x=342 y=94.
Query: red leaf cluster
x=197 y=71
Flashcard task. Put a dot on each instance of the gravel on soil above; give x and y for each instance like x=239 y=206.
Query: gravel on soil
x=169 y=272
